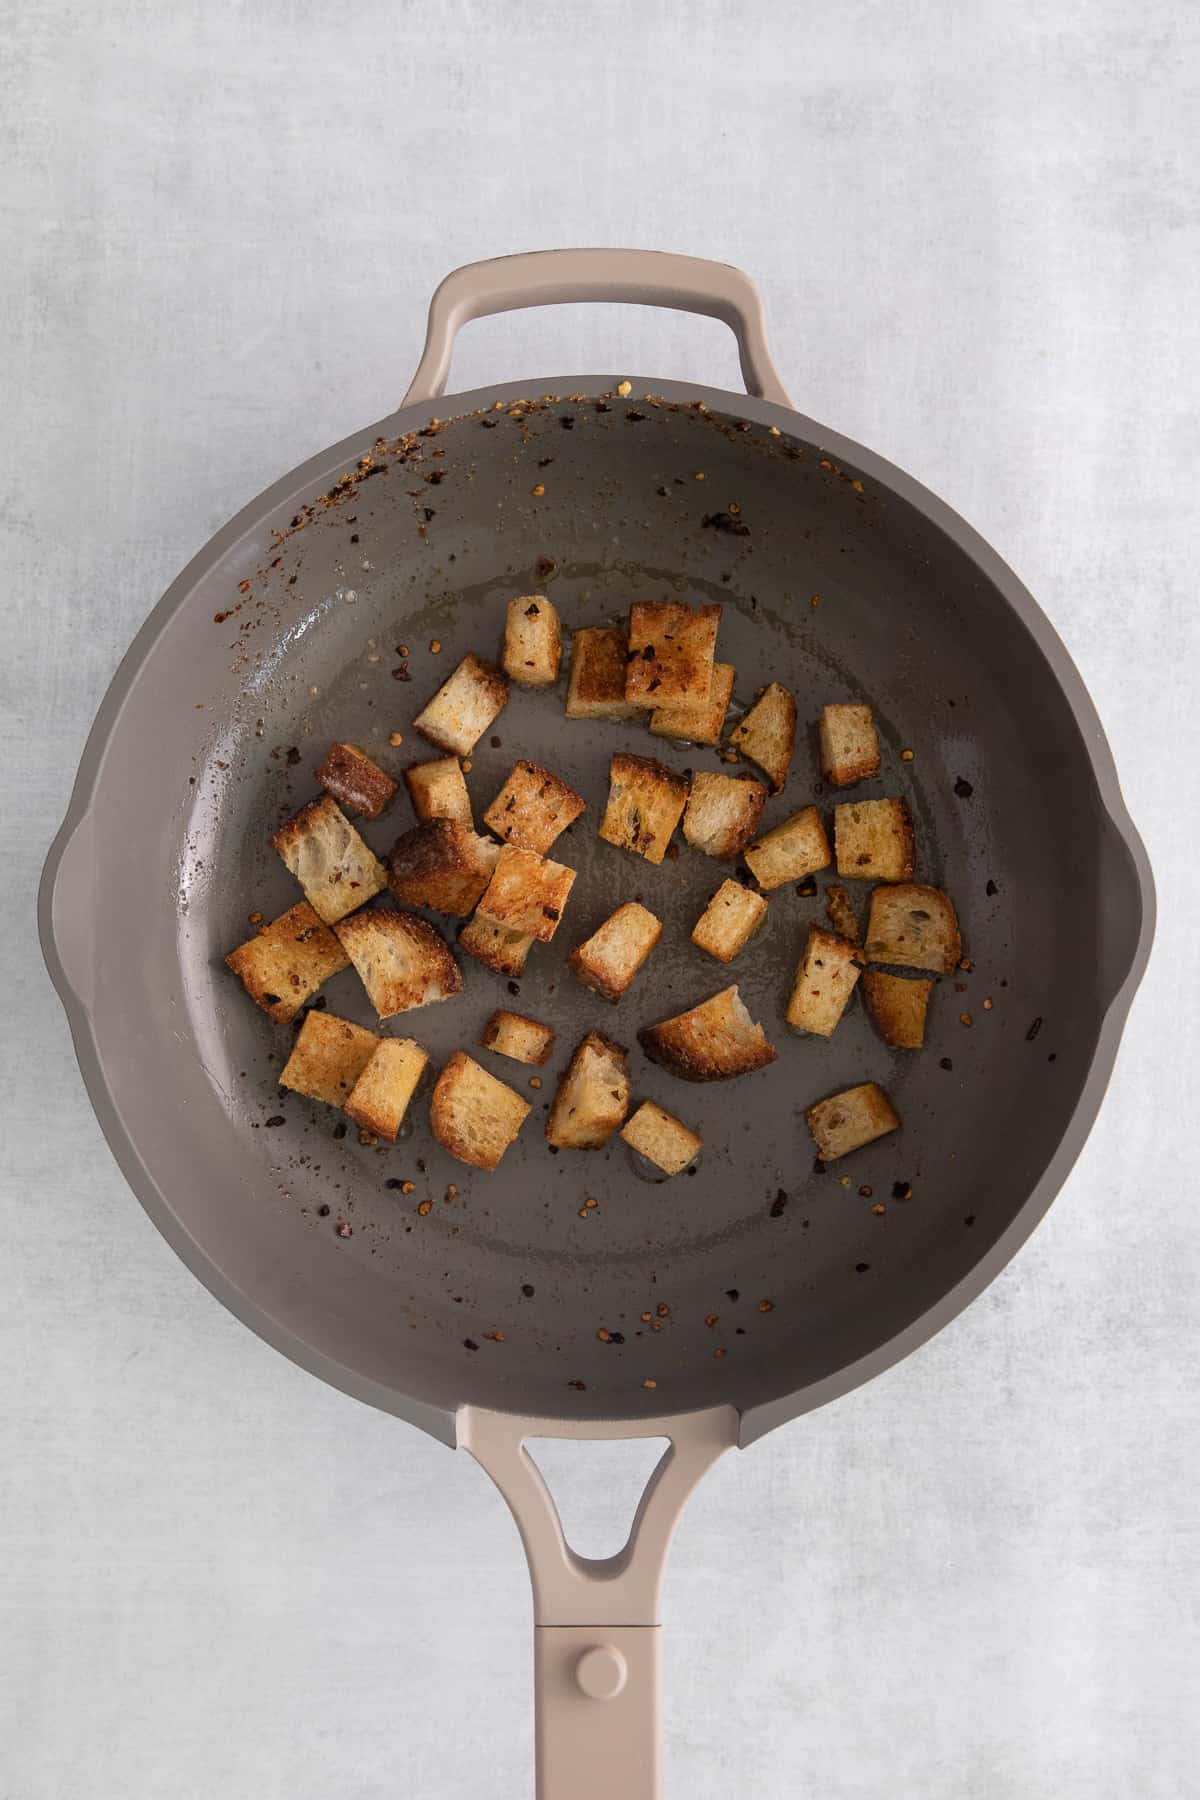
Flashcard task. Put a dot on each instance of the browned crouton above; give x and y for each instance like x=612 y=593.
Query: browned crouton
x=767 y=734
x=874 y=840
x=729 y=920
x=824 y=982
x=512 y=1034
x=914 y=926
x=327 y=1058
x=849 y=747
x=596 y=689
x=379 y=1099
x=401 y=959
x=464 y=706
x=840 y=912
x=670 y=653
x=533 y=808
x=698 y=721
x=438 y=791
x=722 y=812
x=645 y=801
x=710 y=1042
x=532 y=641
x=287 y=962
x=661 y=1138
x=328 y=858
x=849 y=1120
x=527 y=893
x=592 y=1097
x=442 y=864
x=360 y=784
x=608 y=961
x=897 y=1005
x=494 y=945
x=474 y=1116
x=790 y=851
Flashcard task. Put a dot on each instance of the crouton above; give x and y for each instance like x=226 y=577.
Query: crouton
x=379 y=1098
x=897 y=1005
x=839 y=910
x=729 y=921
x=767 y=734
x=661 y=1138
x=463 y=707
x=402 y=961
x=670 y=653
x=874 y=840
x=533 y=808
x=474 y=1116
x=790 y=851
x=825 y=978
x=722 y=812
x=849 y=1120
x=327 y=1058
x=710 y=1042
x=849 y=747
x=596 y=689
x=697 y=721
x=438 y=791
x=287 y=962
x=592 y=1097
x=512 y=1034
x=532 y=641
x=608 y=961
x=914 y=926
x=441 y=864
x=358 y=783
x=328 y=858
x=645 y=801
x=494 y=945
x=527 y=893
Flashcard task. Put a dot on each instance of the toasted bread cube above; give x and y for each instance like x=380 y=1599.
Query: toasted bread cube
x=697 y=721
x=532 y=641
x=729 y=921
x=645 y=801
x=661 y=1138
x=401 y=960
x=592 y=1097
x=596 y=689
x=474 y=1116
x=849 y=747
x=608 y=961
x=327 y=1058
x=337 y=871
x=496 y=946
x=438 y=790
x=379 y=1098
x=897 y=1005
x=533 y=808
x=527 y=893
x=849 y=1120
x=671 y=651
x=711 y=1042
x=790 y=851
x=722 y=812
x=512 y=1034
x=914 y=926
x=825 y=979
x=358 y=783
x=463 y=707
x=767 y=734
x=874 y=840
x=442 y=864
x=287 y=962
x=839 y=910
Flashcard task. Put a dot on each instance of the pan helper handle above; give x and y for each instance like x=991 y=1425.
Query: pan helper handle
x=560 y=277
x=598 y=1637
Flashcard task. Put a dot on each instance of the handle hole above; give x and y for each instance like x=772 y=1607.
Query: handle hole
x=594 y=339
x=597 y=1484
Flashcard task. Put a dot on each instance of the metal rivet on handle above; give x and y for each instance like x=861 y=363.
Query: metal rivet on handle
x=601 y=1672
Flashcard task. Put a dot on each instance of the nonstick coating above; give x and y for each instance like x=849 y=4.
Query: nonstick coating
x=496 y=1295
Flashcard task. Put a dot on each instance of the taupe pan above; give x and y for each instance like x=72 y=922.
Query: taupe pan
x=712 y=1307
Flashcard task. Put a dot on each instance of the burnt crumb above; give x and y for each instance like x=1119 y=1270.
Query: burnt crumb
x=1053 y=1056
x=963 y=789
x=514 y=987
x=470 y=1344
x=430 y=513
x=276 y=1119
x=339 y=1130
x=970 y=1219
x=1033 y=1029
x=732 y=1294
x=616 y=1337
x=991 y=890
x=661 y=492
x=807 y=888
x=544 y=462
x=292 y=580
x=567 y=421
x=778 y=1204
x=435 y=477
x=902 y=1190
x=354 y=537
x=945 y=1063
x=494 y=742
x=393 y=1181
x=724 y=521
x=322 y=1212
x=527 y=1289
x=861 y=1268
x=293 y=757
x=553 y=1149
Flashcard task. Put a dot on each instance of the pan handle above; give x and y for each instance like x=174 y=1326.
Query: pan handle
x=557 y=277
x=598 y=1637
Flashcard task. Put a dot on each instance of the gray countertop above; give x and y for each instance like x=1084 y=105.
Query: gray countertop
x=977 y=233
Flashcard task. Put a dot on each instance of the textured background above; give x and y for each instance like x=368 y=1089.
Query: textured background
x=977 y=232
